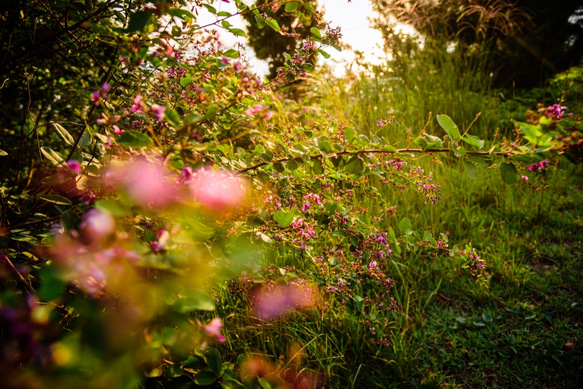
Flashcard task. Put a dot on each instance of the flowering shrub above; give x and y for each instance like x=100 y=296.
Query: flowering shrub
x=177 y=176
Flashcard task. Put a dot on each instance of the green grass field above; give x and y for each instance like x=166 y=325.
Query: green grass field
x=520 y=327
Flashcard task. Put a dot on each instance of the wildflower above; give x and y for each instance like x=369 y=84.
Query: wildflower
x=213 y=329
x=97 y=225
x=218 y=190
x=146 y=183
x=74 y=165
x=117 y=130
x=158 y=112
x=557 y=111
x=96 y=96
x=524 y=178
x=105 y=87
x=279 y=301
x=137 y=107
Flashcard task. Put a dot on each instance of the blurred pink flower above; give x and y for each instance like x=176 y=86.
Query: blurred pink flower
x=218 y=190
x=147 y=183
x=137 y=107
x=96 y=226
x=279 y=301
x=213 y=328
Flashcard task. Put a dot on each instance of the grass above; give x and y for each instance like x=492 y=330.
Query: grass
x=520 y=329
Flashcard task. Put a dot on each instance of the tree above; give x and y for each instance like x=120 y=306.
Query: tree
x=527 y=41
x=271 y=44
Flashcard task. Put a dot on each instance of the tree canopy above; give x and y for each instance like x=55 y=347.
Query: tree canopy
x=527 y=41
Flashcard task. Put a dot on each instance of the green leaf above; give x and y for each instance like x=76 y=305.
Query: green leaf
x=458 y=151
x=186 y=80
x=316 y=32
x=530 y=131
x=405 y=226
x=273 y=24
x=355 y=165
x=324 y=54
x=51 y=285
x=451 y=129
x=138 y=21
x=508 y=172
x=264 y=383
x=231 y=53
x=55 y=199
x=471 y=169
x=292 y=165
x=64 y=134
x=260 y=21
x=210 y=8
x=317 y=167
x=85 y=140
x=211 y=111
x=433 y=142
x=205 y=378
x=54 y=157
x=112 y=206
x=238 y=32
x=213 y=360
x=181 y=13
x=231 y=384
x=172 y=116
x=283 y=218
x=349 y=134
x=292 y=6
x=474 y=141
x=194 y=299
x=133 y=138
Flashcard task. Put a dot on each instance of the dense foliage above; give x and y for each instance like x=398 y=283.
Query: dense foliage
x=169 y=219
x=526 y=42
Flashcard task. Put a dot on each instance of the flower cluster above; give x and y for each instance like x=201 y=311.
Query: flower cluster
x=556 y=111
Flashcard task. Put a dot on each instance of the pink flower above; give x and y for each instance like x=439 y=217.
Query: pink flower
x=97 y=225
x=146 y=183
x=218 y=190
x=158 y=112
x=95 y=96
x=213 y=328
x=75 y=166
x=279 y=301
x=524 y=178
x=117 y=130
x=137 y=107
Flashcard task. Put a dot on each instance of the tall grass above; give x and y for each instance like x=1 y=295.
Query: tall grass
x=521 y=329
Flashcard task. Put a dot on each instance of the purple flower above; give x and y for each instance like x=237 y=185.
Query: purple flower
x=74 y=165
x=158 y=112
x=557 y=111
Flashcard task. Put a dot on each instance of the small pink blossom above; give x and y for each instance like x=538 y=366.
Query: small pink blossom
x=96 y=96
x=524 y=178
x=158 y=112
x=137 y=107
x=74 y=165
x=97 y=225
x=117 y=130
x=213 y=328
x=279 y=301
x=147 y=183
x=218 y=190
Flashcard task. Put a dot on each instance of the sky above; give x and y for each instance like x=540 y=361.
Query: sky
x=351 y=17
